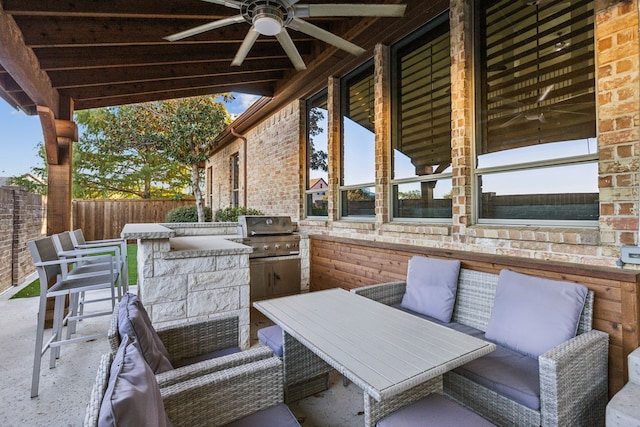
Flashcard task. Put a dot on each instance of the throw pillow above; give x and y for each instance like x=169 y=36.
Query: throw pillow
x=431 y=287
x=134 y=321
x=133 y=396
x=532 y=315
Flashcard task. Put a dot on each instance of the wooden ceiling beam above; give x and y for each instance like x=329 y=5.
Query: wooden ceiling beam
x=118 y=9
x=257 y=89
x=125 y=8
x=79 y=78
x=52 y=59
x=22 y=64
x=58 y=32
x=119 y=90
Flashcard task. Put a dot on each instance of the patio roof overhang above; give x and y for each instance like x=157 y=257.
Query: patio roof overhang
x=98 y=54
x=58 y=57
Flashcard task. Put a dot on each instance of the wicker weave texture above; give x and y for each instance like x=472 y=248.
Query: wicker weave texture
x=217 y=399
x=209 y=400
x=374 y=410
x=305 y=372
x=188 y=339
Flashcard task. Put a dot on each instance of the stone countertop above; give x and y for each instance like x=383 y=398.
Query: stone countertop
x=146 y=231
x=199 y=246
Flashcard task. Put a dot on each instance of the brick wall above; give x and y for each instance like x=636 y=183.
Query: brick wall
x=22 y=217
x=274 y=164
x=275 y=180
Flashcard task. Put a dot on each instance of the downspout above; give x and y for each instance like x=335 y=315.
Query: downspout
x=244 y=163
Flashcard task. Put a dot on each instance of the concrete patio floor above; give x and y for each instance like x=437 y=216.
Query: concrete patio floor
x=64 y=391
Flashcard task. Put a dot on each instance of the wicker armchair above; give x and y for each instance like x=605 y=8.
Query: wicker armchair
x=215 y=399
x=573 y=376
x=192 y=340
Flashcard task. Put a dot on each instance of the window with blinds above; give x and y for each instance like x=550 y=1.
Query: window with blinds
x=539 y=73
x=357 y=189
x=536 y=151
x=422 y=123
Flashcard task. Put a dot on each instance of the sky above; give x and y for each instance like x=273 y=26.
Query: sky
x=20 y=135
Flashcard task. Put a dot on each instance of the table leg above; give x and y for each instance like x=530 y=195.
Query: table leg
x=304 y=372
x=374 y=410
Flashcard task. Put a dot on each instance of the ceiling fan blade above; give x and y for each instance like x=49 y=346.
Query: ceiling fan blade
x=229 y=3
x=290 y=49
x=319 y=10
x=547 y=91
x=325 y=36
x=206 y=27
x=245 y=47
x=511 y=120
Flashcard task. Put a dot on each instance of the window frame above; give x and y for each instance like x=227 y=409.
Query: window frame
x=442 y=19
x=234 y=178
x=369 y=64
x=308 y=191
x=478 y=172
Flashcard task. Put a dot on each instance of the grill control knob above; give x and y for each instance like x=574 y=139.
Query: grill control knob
x=276 y=246
x=288 y=246
x=265 y=247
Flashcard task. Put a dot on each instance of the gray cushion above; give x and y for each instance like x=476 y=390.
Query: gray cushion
x=532 y=315
x=508 y=373
x=132 y=397
x=275 y=416
x=434 y=410
x=505 y=371
x=271 y=336
x=134 y=321
x=431 y=287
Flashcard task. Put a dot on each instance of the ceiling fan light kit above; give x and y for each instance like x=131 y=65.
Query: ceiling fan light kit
x=273 y=17
x=268 y=22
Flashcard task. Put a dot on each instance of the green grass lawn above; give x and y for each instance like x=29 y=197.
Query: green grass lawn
x=33 y=288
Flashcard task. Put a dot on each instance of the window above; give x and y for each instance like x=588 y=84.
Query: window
x=421 y=179
x=235 y=179
x=536 y=152
x=357 y=187
x=317 y=154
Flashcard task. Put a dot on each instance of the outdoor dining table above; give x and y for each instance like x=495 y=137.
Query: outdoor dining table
x=386 y=352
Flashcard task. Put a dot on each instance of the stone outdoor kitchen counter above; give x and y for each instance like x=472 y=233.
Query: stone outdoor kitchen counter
x=192 y=271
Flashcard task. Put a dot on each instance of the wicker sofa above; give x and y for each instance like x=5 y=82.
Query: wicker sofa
x=572 y=376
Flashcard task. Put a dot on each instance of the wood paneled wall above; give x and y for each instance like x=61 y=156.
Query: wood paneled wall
x=104 y=218
x=351 y=263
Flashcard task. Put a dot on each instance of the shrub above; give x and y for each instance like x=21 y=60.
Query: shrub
x=231 y=214
x=188 y=214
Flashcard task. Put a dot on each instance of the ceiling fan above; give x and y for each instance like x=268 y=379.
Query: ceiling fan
x=273 y=17
x=536 y=113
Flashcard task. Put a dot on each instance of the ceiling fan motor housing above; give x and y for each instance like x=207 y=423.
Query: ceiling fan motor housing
x=268 y=16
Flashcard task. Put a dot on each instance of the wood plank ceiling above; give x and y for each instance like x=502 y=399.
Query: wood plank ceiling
x=104 y=53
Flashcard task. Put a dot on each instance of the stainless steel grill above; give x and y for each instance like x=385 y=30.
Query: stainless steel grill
x=269 y=236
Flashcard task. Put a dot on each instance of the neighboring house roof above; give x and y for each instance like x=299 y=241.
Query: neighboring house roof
x=315 y=181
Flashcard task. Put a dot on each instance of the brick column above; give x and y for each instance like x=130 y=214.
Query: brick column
x=334 y=138
x=462 y=120
x=382 y=116
x=616 y=34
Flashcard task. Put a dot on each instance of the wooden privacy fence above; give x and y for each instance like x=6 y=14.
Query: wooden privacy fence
x=104 y=219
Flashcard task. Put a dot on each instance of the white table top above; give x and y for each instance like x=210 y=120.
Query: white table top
x=381 y=349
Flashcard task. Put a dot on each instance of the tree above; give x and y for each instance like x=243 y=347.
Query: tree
x=188 y=127
x=149 y=150
x=318 y=158
x=120 y=155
